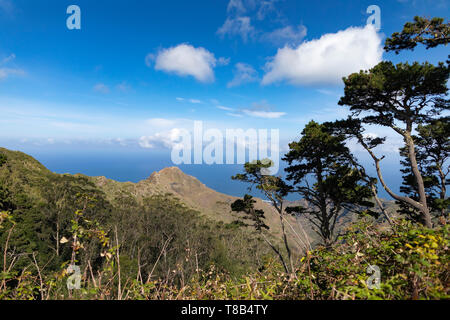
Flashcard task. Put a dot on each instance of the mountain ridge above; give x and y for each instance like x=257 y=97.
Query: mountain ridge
x=191 y=191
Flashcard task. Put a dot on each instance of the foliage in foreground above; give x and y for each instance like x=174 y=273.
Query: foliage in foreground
x=413 y=262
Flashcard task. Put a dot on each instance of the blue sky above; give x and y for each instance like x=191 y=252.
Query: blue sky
x=142 y=68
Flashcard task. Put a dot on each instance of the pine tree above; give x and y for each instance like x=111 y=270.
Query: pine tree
x=323 y=172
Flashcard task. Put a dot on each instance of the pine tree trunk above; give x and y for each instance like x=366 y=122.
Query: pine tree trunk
x=425 y=211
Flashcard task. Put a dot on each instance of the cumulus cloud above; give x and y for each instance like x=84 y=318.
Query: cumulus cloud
x=243 y=73
x=186 y=60
x=168 y=139
x=328 y=59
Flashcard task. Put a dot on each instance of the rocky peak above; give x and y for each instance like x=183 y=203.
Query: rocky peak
x=171 y=173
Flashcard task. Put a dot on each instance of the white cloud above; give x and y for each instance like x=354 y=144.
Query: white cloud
x=286 y=35
x=370 y=135
x=263 y=114
x=168 y=139
x=243 y=73
x=240 y=26
x=328 y=59
x=101 y=88
x=185 y=60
